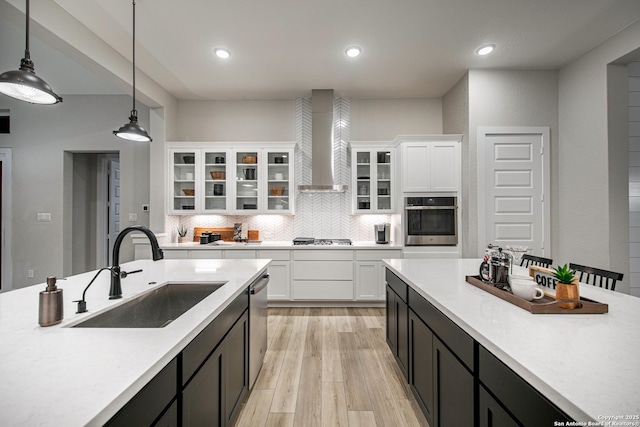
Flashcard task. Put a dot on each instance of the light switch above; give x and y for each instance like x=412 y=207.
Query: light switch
x=133 y=217
x=44 y=216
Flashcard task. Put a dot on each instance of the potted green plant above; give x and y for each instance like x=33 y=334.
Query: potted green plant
x=567 y=287
x=182 y=234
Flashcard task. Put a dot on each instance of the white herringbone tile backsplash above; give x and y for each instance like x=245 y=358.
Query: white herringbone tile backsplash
x=316 y=215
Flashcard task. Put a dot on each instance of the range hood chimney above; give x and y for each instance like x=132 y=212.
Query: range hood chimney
x=322 y=144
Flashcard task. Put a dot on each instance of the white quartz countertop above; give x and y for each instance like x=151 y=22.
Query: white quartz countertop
x=62 y=376
x=586 y=364
x=272 y=244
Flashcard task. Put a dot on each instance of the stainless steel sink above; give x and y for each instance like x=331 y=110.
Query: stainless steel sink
x=153 y=309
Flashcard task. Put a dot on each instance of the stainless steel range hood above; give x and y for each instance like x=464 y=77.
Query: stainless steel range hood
x=322 y=145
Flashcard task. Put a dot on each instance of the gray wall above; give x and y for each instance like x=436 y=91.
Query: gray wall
x=236 y=120
x=274 y=120
x=634 y=178
x=455 y=119
x=588 y=228
x=40 y=136
x=384 y=119
x=513 y=98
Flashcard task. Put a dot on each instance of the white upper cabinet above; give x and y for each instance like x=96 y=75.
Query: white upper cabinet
x=372 y=183
x=217 y=179
x=430 y=163
x=216 y=170
x=184 y=175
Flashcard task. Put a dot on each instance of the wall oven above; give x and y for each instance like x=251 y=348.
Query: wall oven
x=430 y=221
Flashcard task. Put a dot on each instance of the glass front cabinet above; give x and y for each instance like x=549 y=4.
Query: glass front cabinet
x=372 y=177
x=245 y=180
x=215 y=169
x=182 y=181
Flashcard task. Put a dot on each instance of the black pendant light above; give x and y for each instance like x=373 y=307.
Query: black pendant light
x=23 y=84
x=132 y=130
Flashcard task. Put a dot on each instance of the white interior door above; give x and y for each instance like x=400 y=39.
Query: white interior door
x=513 y=188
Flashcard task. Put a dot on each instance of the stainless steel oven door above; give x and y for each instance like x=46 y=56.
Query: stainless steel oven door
x=431 y=225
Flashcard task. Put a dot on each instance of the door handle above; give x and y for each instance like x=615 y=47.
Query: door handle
x=260 y=284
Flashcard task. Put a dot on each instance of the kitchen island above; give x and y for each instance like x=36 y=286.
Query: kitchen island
x=64 y=376
x=585 y=364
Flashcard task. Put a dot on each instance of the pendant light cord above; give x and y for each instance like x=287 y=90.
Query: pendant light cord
x=26 y=48
x=26 y=63
x=133 y=110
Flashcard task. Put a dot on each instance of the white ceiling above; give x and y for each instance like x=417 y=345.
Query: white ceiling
x=285 y=48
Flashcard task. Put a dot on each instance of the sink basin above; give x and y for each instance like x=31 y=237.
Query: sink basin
x=153 y=309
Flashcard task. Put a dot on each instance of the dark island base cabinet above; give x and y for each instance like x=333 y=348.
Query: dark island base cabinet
x=154 y=404
x=397 y=321
x=518 y=397
x=205 y=384
x=455 y=380
x=491 y=413
x=442 y=385
x=454 y=392
x=214 y=396
x=421 y=364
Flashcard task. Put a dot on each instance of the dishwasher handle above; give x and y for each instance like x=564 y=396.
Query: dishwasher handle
x=259 y=284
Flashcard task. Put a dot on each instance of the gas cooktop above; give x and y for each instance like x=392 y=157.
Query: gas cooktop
x=312 y=241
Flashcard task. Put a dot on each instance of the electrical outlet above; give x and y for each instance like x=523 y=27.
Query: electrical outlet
x=30 y=274
x=133 y=217
x=145 y=208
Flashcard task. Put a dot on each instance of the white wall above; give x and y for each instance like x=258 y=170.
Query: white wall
x=634 y=178
x=40 y=136
x=512 y=98
x=384 y=119
x=585 y=227
x=455 y=119
x=236 y=120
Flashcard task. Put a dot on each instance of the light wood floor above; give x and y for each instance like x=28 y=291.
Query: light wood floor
x=329 y=367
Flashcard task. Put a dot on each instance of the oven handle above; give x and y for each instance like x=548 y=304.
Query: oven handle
x=259 y=284
x=424 y=208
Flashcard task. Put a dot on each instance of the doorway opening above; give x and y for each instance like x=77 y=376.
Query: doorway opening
x=95 y=209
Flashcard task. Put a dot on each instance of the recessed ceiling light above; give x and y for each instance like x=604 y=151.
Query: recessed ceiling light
x=222 y=53
x=353 y=51
x=486 y=49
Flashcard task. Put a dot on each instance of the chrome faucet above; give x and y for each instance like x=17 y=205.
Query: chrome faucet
x=115 y=290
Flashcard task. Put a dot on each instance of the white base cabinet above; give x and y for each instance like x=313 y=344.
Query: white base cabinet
x=279 y=271
x=369 y=271
x=324 y=275
x=307 y=275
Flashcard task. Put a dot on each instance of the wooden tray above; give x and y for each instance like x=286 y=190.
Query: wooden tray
x=544 y=305
x=226 y=233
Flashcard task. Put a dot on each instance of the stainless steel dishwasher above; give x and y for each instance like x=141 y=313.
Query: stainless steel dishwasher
x=257 y=326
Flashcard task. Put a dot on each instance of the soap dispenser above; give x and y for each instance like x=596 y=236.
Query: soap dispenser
x=51 y=306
